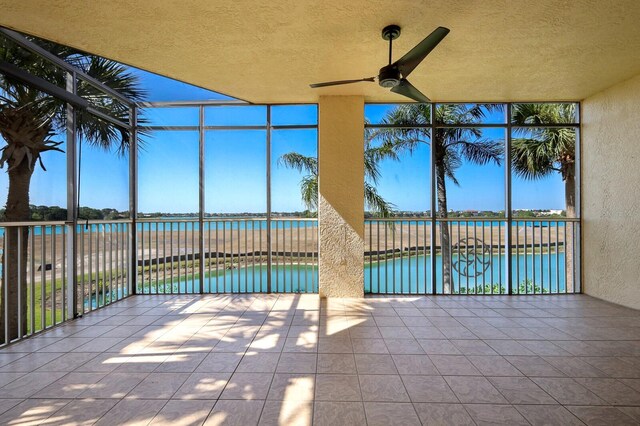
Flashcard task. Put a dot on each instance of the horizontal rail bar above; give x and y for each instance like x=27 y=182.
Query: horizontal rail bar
x=472 y=126
x=33 y=47
x=470 y=219
x=209 y=128
x=43 y=85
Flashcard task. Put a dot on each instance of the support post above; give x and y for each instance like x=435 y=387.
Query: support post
x=72 y=200
x=201 y=198
x=133 y=202
x=341 y=196
x=507 y=203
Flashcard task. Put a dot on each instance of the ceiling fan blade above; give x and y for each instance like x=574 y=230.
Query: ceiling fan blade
x=338 y=82
x=412 y=58
x=405 y=88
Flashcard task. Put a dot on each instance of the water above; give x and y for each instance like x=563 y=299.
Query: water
x=412 y=275
x=261 y=224
x=253 y=279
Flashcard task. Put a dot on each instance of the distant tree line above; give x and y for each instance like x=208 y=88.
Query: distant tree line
x=53 y=213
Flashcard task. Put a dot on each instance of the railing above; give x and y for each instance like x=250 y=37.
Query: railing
x=103 y=255
x=34 y=294
x=235 y=256
x=544 y=254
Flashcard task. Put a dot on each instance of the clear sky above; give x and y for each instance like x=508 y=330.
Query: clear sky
x=235 y=166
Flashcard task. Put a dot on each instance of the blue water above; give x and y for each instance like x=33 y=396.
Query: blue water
x=412 y=275
x=260 y=224
x=253 y=279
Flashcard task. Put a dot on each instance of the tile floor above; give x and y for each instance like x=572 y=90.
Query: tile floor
x=293 y=360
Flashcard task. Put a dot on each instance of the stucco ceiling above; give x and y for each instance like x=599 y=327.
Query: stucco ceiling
x=270 y=50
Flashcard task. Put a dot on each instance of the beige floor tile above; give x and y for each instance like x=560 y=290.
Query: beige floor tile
x=203 y=386
x=390 y=414
x=7 y=404
x=158 y=386
x=369 y=346
x=287 y=413
x=235 y=413
x=375 y=364
x=32 y=411
x=219 y=362
x=256 y=362
x=292 y=387
x=247 y=386
x=473 y=347
x=414 y=364
x=439 y=347
x=404 y=346
x=331 y=413
x=6 y=378
x=335 y=345
x=297 y=363
x=567 y=391
x=382 y=388
x=454 y=365
x=132 y=412
x=432 y=414
x=114 y=385
x=428 y=389
x=336 y=364
x=68 y=362
x=602 y=416
x=521 y=390
x=99 y=344
x=543 y=415
x=82 y=411
x=342 y=387
x=28 y=363
x=534 y=366
x=474 y=390
x=29 y=384
x=70 y=386
x=181 y=363
x=495 y=365
x=573 y=366
x=488 y=414
x=183 y=413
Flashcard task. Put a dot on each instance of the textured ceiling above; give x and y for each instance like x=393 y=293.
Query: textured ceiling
x=269 y=50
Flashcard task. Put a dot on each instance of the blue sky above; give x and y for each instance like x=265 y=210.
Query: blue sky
x=236 y=166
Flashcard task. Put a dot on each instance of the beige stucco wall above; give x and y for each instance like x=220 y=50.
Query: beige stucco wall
x=611 y=193
x=341 y=196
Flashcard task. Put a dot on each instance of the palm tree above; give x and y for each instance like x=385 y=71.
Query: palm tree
x=451 y=146
x=29 y=121
x=543 y=151
x=372 y=157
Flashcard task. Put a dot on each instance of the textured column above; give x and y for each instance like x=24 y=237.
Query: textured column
x=341 y=196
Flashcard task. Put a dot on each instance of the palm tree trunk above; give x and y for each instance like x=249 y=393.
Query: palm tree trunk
x=570 y=203
x=15 y=254
x=445 y=238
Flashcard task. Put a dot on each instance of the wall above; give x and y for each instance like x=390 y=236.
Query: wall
x=341 y=196
x=611 y=193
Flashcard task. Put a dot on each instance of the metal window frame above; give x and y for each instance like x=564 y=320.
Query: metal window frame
x=202 y=129
x=508 y=126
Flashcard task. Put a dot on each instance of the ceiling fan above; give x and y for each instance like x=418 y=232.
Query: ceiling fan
x=394 y=75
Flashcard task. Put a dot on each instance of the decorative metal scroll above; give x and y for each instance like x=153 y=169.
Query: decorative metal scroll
x=474 y=257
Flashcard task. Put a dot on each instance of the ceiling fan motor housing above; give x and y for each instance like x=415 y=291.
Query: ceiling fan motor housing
x=389 y=76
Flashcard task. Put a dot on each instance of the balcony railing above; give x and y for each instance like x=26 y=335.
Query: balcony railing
x=252 y=255
x=42 y=249
x=233 y=256
x=544 y=256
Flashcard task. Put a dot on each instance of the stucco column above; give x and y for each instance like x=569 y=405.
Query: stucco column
x=341 y=196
